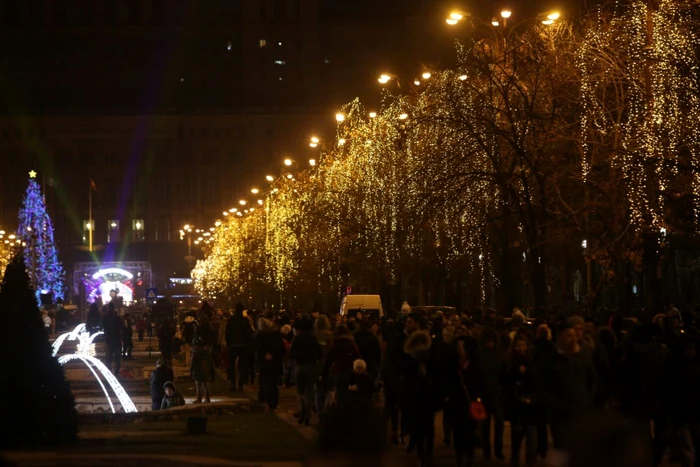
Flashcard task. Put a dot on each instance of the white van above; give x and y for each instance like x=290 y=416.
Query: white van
x=367 y=304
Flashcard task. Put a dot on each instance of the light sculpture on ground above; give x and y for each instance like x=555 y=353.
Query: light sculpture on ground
x=86 y=353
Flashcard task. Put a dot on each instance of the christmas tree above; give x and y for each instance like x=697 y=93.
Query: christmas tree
x=36 y=232
x=37 y=408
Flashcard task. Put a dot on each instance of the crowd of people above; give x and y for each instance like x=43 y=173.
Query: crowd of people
x=540 y=376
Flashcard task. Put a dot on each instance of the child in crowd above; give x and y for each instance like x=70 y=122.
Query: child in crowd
x=172 y=398
x=361 y=386
x=201 y=369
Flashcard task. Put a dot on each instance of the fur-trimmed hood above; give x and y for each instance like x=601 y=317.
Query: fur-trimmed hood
x=418 y=343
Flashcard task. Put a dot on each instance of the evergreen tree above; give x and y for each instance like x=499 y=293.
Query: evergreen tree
x=36 y=407
x=40 y=255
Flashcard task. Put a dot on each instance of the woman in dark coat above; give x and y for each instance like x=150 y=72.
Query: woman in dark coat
x=520 y=399
x=341 y=356
x=421 y=393
x=463 y=384
x=269 y=349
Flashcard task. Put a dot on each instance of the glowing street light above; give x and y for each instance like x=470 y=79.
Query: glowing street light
x=341 y=141
x=260 y=202
x=372 y=114
x=505 y=14
x=290 y=176
x=255 y=191
x=242 y=202
x=416 y=82
x=495 y=23
x=426 y=75
x=269 y=178
x=384 y=78
x=462 y=77
x=287 y=162
x=312 y=162
x=554 y=15
x=339 y=117
x=403 y=116
x=456 y=16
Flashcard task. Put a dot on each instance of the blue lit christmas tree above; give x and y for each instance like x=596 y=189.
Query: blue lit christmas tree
x=36 y=232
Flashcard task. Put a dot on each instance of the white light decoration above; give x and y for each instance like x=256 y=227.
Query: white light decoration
x=86 y=353
x=105 y=271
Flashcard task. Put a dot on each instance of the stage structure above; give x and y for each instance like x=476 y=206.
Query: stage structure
x=126 y=279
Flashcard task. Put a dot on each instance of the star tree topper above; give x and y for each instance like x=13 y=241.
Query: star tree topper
x=32 y=174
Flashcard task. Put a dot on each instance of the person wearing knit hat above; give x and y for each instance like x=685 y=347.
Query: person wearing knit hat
x=172 y=398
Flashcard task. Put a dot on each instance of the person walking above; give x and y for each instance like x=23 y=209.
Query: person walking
x=566 y=381
x=493 y=364
x=341 y=355
x=188 y=329
x=368 y=344
x=520 y=400
x=141 y=325
x=127 y=338
x=392 y=364
x=166 y=334
x=113 y=326
x=270 y=351
x=324 y=336
x=463 y=385
x=306 y=353
x=239 y=336
x=421 y=393
x=201 y=369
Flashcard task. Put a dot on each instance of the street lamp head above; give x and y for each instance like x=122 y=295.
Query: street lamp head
x=416 y=82
x=339 y=117
x=260 y=202
x=287 y=162
x=462 y=77
x=451 y=21
x=505 y=14
x=312 y=162
x=384 y=78
x=255 y=191
x=187 y=226
x=341 y=141
x=315 y=139
x=269 y=178
x=290 y=176
x=225 y=213
x=553 y=16
x=494 y=22
x=242 y=202
x=548 y=22
x=403 y=116
x=313 y=145
x=372 y=114
x=426 y=75
x=456 y=15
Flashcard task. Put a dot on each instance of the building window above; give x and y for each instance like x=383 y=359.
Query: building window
x=87 y=226
x=280 y=9
x=113 y=231
x=138 y=227
x=163 y=230
x=210 y=197
x=280 y=62
x=263 y=43
x=162 y=192
x=188 y=193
